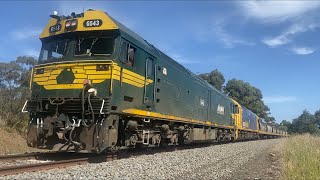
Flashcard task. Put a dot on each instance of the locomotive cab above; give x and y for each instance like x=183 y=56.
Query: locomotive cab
x=84 y=60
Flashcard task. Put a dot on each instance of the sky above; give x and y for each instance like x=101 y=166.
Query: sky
x=273 y=45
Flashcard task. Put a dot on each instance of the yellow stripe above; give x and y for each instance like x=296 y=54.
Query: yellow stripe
x=99 y=76
x=81 y=72
x=97 y=72
x=64 y=86
x=41 y=75
x=57 y=71
x=78 y=81
x=50 y=82
x=143 y=113
x=53 y=76
x=82 y=62
x=80 y=76
x=78 y=69
x=97 y=81
x=128 y=81
x=39 y=79
x=130 y=73
x=65 y=65
x=90 y=67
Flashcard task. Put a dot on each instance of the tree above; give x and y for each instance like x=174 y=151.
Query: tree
x=248 y=96
x=286 y=126
x=317 y=116
x=305 y=123
x=215 y=78
x=14 y=90
x=270 y=119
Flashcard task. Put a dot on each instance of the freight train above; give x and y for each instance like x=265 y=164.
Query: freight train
x=98 y=86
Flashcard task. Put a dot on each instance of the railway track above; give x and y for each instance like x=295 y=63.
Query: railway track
x=54 y=160
x=66 y=159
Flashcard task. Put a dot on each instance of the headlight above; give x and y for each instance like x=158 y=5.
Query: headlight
x=68 y=24
x=71 y=24
x=102 y=67
x=40 y=71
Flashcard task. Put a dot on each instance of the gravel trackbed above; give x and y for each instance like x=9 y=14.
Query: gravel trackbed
x=213 y=162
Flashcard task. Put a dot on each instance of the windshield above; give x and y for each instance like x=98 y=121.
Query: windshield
x=60 y=50
x=54 y=51
x=94 y=47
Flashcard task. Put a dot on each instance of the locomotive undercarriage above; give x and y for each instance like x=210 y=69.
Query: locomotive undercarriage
x=59 y=130
x=154 y=133
x=93 y=126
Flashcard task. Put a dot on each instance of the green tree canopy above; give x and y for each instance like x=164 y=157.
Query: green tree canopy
x=285 y=125
x=16 y=74
x=317 y=116
x=14 y=90
x=215 y=78
x=249 y=96
x=305 y=123
x=270 y=119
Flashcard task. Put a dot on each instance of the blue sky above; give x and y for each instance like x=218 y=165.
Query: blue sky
x=270 y=44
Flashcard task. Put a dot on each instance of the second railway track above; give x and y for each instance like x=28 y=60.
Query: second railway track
x=49 y=161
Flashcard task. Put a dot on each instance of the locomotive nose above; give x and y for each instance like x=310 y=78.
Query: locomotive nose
x=66 y=77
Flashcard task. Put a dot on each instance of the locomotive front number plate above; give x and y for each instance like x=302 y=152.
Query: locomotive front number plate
x=55 y=28
x=92 y=23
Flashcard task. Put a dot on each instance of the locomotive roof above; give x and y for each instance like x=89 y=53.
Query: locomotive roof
x=156 y=52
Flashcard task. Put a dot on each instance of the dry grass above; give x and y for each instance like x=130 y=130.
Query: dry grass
x=12 y=142
x=301 y=158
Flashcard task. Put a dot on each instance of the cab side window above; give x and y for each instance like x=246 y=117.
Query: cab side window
x=236 y=109
x=127 y=55
x=149 y=67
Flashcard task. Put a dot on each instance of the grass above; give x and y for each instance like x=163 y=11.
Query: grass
x=11 y=142
x=301 y=158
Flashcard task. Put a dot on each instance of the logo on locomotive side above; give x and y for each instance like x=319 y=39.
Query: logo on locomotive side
x=220 y=109
x=201 y=102
x=164 y=71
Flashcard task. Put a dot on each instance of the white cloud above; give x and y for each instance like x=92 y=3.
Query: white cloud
x=276 y=41
x=26 y=33
x=302 y=50
x=181 y=59
x=279 y=99
x=277 y=11
x=226 y=38
x=286 y=36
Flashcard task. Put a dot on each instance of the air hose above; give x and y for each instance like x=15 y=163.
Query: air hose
x=83 y=108
x=82 y=103
x=71 y=140
x=90 y=105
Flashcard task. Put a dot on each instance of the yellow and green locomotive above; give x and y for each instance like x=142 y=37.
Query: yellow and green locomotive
x=99 y=86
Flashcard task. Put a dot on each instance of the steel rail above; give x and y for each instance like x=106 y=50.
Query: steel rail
x=16 y=169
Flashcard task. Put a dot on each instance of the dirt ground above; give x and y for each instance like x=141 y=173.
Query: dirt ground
x=266 y=166
x=12 y=142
